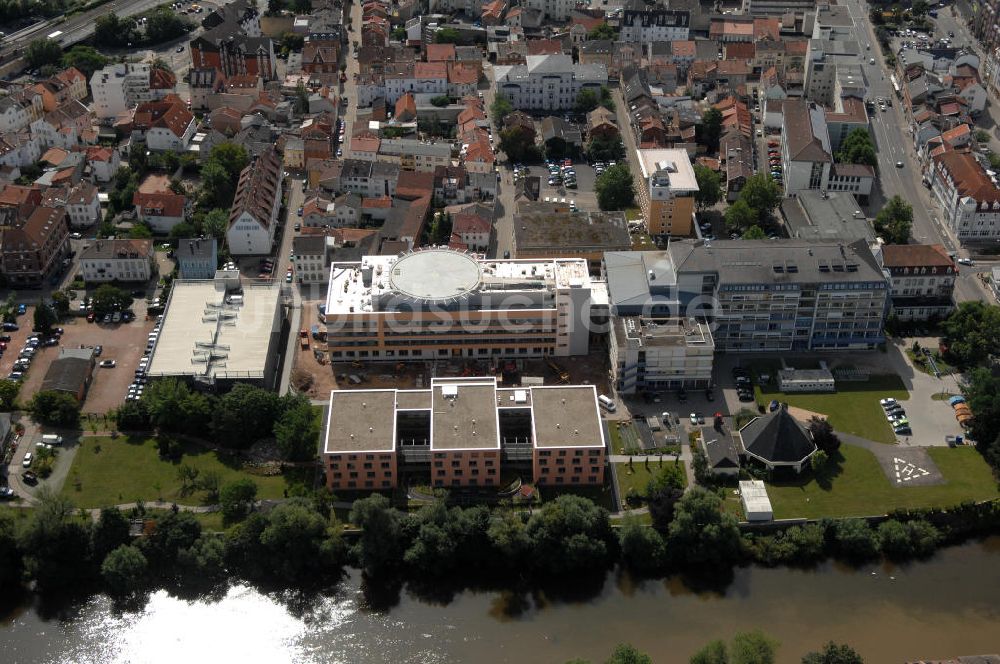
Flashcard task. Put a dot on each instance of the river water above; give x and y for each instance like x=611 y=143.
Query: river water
x=947 y=606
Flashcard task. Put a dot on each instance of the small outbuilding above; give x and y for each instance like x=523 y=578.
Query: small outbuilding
x=71 y=372
x=722 y=450
x=756 y=504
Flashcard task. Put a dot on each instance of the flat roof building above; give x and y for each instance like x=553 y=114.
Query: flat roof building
x=441 y=304
x=815 y=215
x=652 y=354
x=543 y=233
x=667 y=190
x=460 y=432
x=220 y=331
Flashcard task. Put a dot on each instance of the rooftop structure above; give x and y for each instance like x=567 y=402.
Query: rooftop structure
x=650 y=354
x=813 y=215
x=564 y=234
x=219 y=330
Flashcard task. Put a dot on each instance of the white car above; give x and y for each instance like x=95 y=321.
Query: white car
x=27 y=460
x=694 y=419
x=965 y=261
x=888 y=402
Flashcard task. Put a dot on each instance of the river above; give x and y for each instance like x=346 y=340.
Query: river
x=939 y=608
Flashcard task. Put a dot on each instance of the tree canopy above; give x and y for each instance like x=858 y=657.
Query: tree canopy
x=603 y=31
x=972 y=333
x=739 y=216
x=571 y=534
x=701 y=534
x=709 y=186
x=762 y=194
x=615 y=188
x=755 y=232
x=109 y=299
x=41 y=52
x=55 y=408
x=833 y=653
x=519 y=144
x=894 y=220
x=710 y=128
x=500 y=108
x=858 y=148
x=587 y=100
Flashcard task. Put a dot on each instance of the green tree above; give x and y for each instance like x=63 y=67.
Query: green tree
x=625 y=653
x=755 y=232
x=587 y=100
x=215 y=223
x=220 y=173
x=739 y=216
x=571 y=535
x=172 y=406
x=919 y=8
x=44 y=318
x=701 y=534
x=124 y=571
x=508 y=536
x=663 y=491
x=10 y=557
x=894 y=220
x=601 y=148
x=162 y=24
x=110 y=30
x=85 y=58
x=714 y=652
x=8 y=394
x=440 y=101
x=819 y=461
x=710 y=129
x=858 y=148
x=41 y=52
x=54 y=408
x=108 y=299
x=855 y=539
x=833 y=653
x=447 y=36
x=140 y=231
x=643 y=549
x=237 y=499
x=245 y=414
x=823 y=434
x=301 y=99
x=383 y=540
x=912 y=539
x=615 y=188
x=399 y=34
x=56 y=544
x=752 y=648
x=518 y=144
x=170 y=534
x=109 y=532
x=203 y=563
x=972 y=334
x=132 y=416
x=297 y=431
x=60 y=303
x=603 y=31
x=500 y=108
x=982 y=393
x=762 y=194
x=709 y=186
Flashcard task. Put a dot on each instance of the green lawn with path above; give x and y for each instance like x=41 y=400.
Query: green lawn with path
x=637 y=476
x=854 y=408
x=860 y=487
x=110 y=471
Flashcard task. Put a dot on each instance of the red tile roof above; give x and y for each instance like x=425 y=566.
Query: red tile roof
x=167 y=204
x=440 y=52
x=430 y=70
x=544 y=47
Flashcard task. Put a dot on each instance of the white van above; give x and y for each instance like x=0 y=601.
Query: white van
x=607 y=403
x=52 y=439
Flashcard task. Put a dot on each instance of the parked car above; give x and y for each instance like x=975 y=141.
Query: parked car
x=6 y=493
x=98 y=350
x=108 y=364
x=28 y=458
x=11 y=327
x=30 y=477
x=887 y=402
x=21 y=309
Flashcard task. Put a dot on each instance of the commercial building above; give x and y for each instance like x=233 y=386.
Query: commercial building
x=197 y=258
x=652 y=354
x=441 y=304
x=667 y=190
x=542 y=232
x=549 y=82
x=783 y=295
x=968 y=195
x=219 y=332
x=254 y=214
x=922 y=278
x=117 y=260
x=463 y=432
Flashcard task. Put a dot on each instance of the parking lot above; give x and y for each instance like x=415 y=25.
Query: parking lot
x=583 y=196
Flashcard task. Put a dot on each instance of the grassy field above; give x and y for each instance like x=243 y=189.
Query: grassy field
x=853 y=408
x=861 y=487
x=637 y=476
x=114 y=471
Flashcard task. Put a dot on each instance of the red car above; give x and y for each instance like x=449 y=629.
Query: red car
x=90 y=317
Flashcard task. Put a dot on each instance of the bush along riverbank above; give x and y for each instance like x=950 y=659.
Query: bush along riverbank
x=438 y=549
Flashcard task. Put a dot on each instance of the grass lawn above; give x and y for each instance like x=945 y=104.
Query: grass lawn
x=114 y=471
x=601 y=495
x=637 y=477
x=853 y=408
x=861 y=488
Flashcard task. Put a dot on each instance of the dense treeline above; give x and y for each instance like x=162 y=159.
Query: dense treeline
x=236 y=419
x=744 y=648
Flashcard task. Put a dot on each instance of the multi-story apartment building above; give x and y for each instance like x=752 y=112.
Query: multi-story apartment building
x=439 y=303
x=164 y=125
x=829 y=64
x=645 y=26
x=117 y=260
x=312 y=258
x=785 y=295
x=666 y=193
x=549 y=82
x=969 y=197
x=414 y=155
x=553 y=10
x=254 y=214
x=122 y=86
x=660 y=353
x=807 y=155
x=30 y=250
x=922 y=280
x=461 y=433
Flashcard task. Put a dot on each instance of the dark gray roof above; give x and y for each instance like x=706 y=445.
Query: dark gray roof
x=196 y=247
x=67 y=374
x=720 y=447
x=777 y=438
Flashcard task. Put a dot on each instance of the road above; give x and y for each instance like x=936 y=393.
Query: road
x=503 y=225
x=894 y=145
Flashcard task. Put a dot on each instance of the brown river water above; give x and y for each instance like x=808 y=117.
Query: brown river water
x=943 y=607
